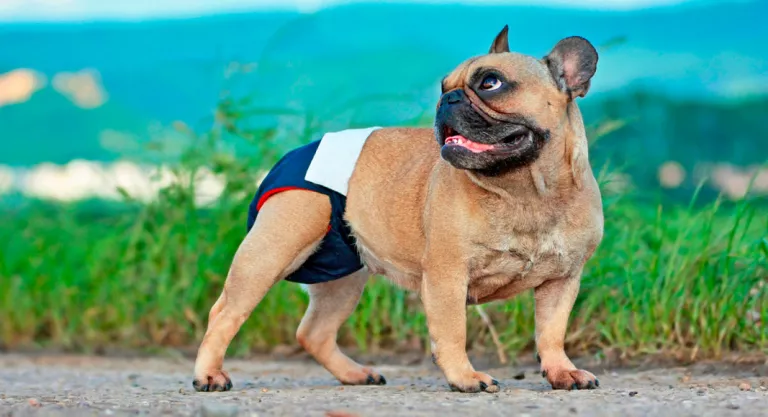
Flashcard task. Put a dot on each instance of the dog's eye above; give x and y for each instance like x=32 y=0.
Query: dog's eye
x=490 y=82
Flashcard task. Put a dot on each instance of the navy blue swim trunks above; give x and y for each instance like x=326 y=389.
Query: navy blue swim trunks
x=337 y=255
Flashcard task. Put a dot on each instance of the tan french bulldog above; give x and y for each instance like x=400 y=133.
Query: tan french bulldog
x=499 y=198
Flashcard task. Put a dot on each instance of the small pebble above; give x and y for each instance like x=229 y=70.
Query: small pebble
x=745 y=386
x=732 y=406
x=632 y=393
x=519 y=376
x=266 y=390
x=33 y=402
x=685 y=379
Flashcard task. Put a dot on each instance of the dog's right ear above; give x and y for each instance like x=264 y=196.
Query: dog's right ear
x=501 y=43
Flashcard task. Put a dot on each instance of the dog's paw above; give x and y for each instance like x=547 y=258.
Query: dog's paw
x=570 y=379
x=474 y=382
x=212 y=382
x=363 y=376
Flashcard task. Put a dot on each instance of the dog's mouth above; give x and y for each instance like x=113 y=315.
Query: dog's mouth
x=519 y=137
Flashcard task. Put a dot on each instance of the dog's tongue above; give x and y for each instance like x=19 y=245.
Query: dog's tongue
x=468 y=144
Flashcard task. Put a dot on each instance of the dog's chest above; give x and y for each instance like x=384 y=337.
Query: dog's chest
x=523 y=255
x=513 y=262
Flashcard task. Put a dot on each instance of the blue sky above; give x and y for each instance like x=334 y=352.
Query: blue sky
x=58 y=10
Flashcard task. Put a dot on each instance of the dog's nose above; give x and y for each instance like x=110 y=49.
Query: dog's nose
x=452 y=97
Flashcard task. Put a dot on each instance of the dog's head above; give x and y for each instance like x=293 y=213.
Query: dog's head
x=500 y=110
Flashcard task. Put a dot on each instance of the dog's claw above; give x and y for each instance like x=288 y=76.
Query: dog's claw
x=371 y=380
x=481 y=386
x=217 y=383
x=200 y=387
x=570 y=380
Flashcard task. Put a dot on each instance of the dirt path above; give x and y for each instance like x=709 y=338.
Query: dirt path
x=57 y=385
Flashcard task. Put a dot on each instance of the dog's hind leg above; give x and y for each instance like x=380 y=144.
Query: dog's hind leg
x=330 y=304
x=288 y=229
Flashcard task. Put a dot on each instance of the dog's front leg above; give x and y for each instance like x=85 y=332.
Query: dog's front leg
x=445 y=302
x=554 y=301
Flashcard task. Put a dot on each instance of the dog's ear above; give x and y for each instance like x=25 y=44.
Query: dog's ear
x=572 y=62
x=501 y=43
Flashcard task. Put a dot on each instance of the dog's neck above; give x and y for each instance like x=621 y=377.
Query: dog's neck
x=560 y=170
x=537 y=180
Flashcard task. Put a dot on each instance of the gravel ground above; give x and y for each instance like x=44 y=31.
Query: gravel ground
x=77 y=385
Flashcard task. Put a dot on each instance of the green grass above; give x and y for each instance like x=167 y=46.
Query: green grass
x=666 y=279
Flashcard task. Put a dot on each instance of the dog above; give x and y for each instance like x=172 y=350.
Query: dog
x=497 y=199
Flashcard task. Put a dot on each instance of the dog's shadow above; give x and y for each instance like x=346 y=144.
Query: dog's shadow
x=404 y=384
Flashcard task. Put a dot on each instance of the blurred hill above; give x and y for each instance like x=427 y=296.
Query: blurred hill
x=691 y=80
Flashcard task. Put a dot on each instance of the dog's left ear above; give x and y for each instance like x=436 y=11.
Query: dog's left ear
x=573 y=62
x=501 y=43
